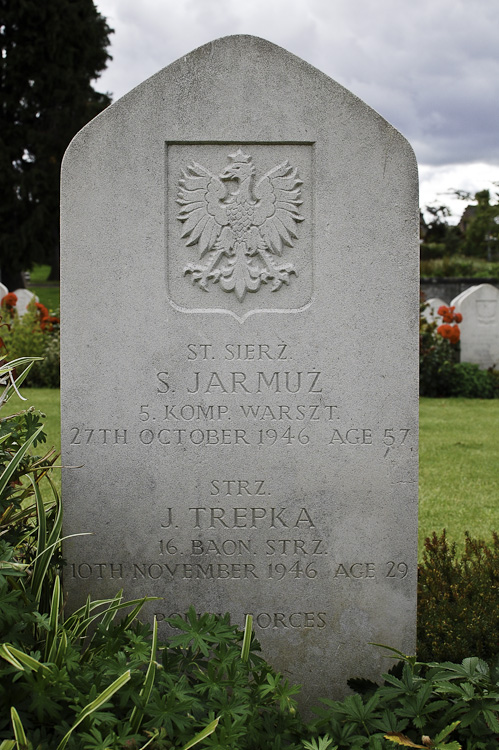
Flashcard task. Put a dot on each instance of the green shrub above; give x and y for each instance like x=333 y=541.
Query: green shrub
x=431 y=250
x=458 y=600
x=457 y=266
x=437 y=357
x=48 y=372
x=419 y=705
x=467 y=380
x=35 y=334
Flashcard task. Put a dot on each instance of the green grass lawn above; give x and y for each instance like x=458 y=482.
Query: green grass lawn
x=47 y=291
x=459 y=467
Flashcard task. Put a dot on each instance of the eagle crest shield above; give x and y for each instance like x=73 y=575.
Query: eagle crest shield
x=241 y=226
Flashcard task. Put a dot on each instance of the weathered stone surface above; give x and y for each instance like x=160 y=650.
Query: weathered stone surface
x=479 y=307
x=246 y=422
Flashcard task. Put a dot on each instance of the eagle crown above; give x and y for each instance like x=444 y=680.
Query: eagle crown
x=242 y=168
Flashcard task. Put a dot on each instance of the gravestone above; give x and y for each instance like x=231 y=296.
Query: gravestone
x=240 y=292
x=3 y=290
x=456 y=302
x=479 y=307
x=24 y=297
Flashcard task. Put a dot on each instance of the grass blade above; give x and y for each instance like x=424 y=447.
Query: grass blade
x=44 y=556
x=61 y=650
x=16 y=460
x=145 y=693
x=19 y=733
x=78 y=625
x=55 y=605
x=202 y=734
x=8 y=368
x=95 y=704
x=20 y=660
x=248 y=629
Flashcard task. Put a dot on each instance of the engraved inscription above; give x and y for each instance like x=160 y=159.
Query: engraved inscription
x=240 y=226
x=100 y=436
x=271 y=620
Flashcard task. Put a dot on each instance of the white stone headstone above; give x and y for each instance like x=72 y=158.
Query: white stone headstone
x=479 y=307
x=3 y=290
x=24 y=297
x=457 y=300
x=236 y=233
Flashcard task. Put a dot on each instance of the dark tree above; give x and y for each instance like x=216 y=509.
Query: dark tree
x=52 y=50
x=440 y=233
x=482 y=234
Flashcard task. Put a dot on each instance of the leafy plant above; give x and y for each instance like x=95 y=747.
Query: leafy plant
x=418 y=705
x=458 y=600
x=437 y=357
x=34 y=335
x=467 y=380
x=459 y=266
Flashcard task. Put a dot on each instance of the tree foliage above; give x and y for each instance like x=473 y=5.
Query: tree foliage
x=51 y=51
x=483 y=232
x=476 y=235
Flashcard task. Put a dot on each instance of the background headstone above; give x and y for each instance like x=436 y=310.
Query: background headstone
x=24 y=297
x=457 y=300
x=239 y=366
x=479 y=307
x=3 y=290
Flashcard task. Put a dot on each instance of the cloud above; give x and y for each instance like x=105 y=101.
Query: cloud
x=431 y=67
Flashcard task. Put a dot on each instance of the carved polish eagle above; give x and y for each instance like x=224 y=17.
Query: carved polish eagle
x=239 y=225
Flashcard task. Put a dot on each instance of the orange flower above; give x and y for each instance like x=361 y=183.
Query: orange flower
x=48 y=322
x=449 y=332
x=448 y=315
x=9 y=301
x=445 y=330
x=454 y=335
x=44 y=313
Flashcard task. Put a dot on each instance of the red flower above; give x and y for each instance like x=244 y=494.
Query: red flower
x=9 y=301
x=445 y=330
x=44 y=313
x=448 y=316
x=49 y=322
x=449 y=332
x=455 y=334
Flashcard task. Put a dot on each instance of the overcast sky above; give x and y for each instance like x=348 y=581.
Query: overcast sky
x=430 y=67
